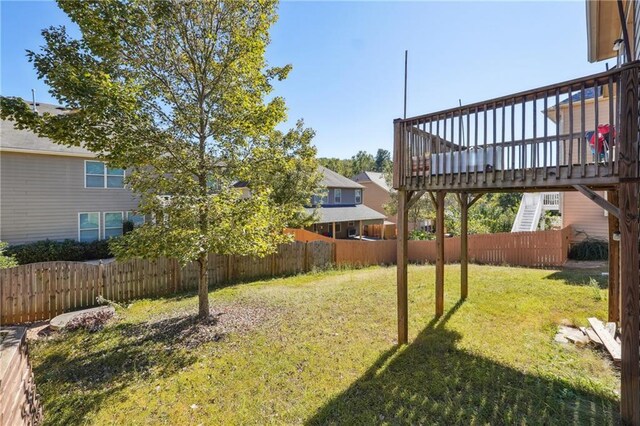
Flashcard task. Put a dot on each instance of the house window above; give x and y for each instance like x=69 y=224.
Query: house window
x=98 y=175
x=337 y=196
x=324 y=199
x=358 y=196
x=112 y=224
x=88 y=227
x=137 y=219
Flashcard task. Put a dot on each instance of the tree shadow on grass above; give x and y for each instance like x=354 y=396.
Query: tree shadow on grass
x=580 y=277
x=80 y=370
x=432 y=382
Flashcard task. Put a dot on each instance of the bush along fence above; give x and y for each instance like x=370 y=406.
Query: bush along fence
x=40 y=291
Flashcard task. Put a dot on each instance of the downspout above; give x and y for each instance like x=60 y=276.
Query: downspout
x=625 y=33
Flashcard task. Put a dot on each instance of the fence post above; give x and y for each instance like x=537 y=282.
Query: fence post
x=101 y=279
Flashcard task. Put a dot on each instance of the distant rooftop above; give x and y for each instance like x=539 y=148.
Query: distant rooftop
x=375 y=177
x=331 y=179
x=12 y=139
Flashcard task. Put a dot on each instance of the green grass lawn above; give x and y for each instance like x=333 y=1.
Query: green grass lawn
x=321 y=349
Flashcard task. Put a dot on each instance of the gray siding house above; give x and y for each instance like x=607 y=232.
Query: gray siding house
x=49 y=191
x=341 y=212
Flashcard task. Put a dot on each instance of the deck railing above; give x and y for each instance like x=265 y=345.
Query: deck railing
x=558 y=135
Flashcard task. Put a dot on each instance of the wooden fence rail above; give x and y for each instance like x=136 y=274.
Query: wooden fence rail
x=40 y=291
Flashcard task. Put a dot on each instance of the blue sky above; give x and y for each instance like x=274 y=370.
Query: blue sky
x=348 y=58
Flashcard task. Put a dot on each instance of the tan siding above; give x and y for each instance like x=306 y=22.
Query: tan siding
x=41 y=196
x=590 y=124
x=375 y=198
x=584 y=215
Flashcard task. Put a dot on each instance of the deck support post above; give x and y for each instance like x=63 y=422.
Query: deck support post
x=402 y=250
x=333 y=231
x=360 y=229
x=463 y=199
x=614 y=262
x=629 y=274
x=440 y=253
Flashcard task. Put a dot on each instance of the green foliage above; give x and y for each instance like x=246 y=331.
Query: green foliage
x=49 y=251
x=590 y=249
x=6 y=260
x=361 y=162
x=179 y=93
x=417 y=234
x=382 y=160
x=490 y=214
x=127 y=226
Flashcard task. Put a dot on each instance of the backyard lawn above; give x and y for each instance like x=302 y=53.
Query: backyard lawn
x=320 y=349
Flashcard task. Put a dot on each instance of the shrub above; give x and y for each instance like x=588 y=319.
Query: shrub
x=590 y=249
x=6 y=261
x=49 y=251
x=417 y=234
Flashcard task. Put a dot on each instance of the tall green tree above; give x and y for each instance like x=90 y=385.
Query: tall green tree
x=176 y=92
x=383 y=160
x=362 y=162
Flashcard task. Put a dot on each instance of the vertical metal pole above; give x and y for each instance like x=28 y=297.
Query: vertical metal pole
x=406 y=56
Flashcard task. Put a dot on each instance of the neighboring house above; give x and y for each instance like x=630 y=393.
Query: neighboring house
x=378 y=195
x=585 y=217
x=340 y=212
x=49 y=191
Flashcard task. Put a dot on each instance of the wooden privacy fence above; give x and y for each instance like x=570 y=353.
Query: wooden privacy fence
x=541 y=248
x=40 y=291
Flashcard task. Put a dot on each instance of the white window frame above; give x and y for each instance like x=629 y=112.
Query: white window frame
x=337 y=196
x=358 y=196
x=104 y=223
x=104 y=176
x=99 y=223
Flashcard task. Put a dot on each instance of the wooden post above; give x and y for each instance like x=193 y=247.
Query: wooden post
x=629 y=276
x=102 y=285
x=464 y=247
x=614 y=262
x=360 y=229
x=333 y=232
x=402 y=247
x=440 y=253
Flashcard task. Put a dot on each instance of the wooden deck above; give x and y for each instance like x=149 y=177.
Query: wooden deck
x=534 y=140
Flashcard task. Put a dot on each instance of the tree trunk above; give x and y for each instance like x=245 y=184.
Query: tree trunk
x=203 y=286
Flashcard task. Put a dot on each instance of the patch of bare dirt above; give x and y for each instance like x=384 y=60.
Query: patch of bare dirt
x=185 y=329
x=91 y=321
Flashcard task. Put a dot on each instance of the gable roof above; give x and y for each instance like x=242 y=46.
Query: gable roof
x=15 y=140
x=331 y=179
x=375 y=177
x=328 y=213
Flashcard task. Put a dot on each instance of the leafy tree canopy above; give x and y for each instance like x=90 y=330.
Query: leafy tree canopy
x=177 y=93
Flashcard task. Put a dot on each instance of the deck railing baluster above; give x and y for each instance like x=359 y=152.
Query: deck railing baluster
x=558 y=150
x=582 y=147
x=596 y=151
x=494 y=141
x=534 y=145
x=468 y=143
x=513 y=139
x=503 y=138
x=475 y=146
x=613 y=148
x=571 y=142
x=523 y=152
x=431 y=142
x=484 y=147
x=546 y=138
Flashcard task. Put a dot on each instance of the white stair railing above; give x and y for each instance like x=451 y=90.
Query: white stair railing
x=529 y=213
